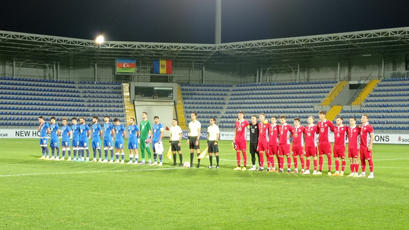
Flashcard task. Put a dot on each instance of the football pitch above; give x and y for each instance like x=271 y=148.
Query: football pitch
x=40 y=194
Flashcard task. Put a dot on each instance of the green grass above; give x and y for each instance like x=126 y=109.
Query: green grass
x=38 y=194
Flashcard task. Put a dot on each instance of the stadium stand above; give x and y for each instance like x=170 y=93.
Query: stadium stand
x=387 y=106
x=22 y=100
x=294 y=99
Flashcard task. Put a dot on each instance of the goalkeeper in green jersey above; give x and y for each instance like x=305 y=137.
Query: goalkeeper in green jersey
x=145 y=128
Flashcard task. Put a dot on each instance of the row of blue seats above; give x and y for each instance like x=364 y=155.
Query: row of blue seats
x=369 y=99
x=387 y=105
x=267 y=110
x=275 y=106
x=108 y=103
x=395 y=79
x=263 y=92
x=59 y=114
x=204 y=102
x=370 y=110
x=100 y=87
x=35 y=80
x=99 y=82
x=38 y=94
x=399 y=84
x=283 y=88
x=287 y=83
x=203 y=89
x=205 y=85
x=202 y=107
x=390 y=122
x=203 y=94
x=85 y=91
x=203 y=98
x=389 y=94
x=43 y=108
x=35 y=84
x=41 y=99
x=397 y=89
x=378 y=116
x=277 y=97
x=42 y=89
x=5 y=102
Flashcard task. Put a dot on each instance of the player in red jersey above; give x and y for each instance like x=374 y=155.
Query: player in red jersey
x=240 y=143
x=311 y=144
x=273 y=142
x=340 y=132
x=353 y=146
x=262 y=146
x=284 y=143
x=324 y=147
x=365 y=148
x=298 y=144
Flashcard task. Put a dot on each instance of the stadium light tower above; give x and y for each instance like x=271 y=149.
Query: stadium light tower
x=100 y=39
x=218 y=22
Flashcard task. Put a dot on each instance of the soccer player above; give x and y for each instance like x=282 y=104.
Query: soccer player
x=65 y=141
x=212 y=142
x=284 y=143
x=298 y=144
x=54 y=142
x=240 y=143
x=145 y=128
x=108 y=143
x=253 y=127
x=365 y=148
x=262 y=146
x=96 y=139
x=324 y=147
x=353 y=132
x=310 y=133
x=340 y=132
x=43 y=128
x=84 y=134
x=175 y=139
x=194 y=138
x=273 y=142
x=119 y=140
x=157 y=145
x=75 y=129
x=133 y=131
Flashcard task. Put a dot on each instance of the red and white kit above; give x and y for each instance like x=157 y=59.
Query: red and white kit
x=284 y=144
x=262 y=145
x=310 y=132
x=365 y=153
x=339 y=146
x=353 y=145
x=273 y=143
x=324 y=147
x=298 y=145
x=240 y=140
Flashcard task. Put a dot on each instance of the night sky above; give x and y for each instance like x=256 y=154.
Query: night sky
x=193 y=20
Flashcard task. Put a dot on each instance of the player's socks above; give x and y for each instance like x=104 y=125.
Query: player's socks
x=64 y=150
x=180 y=158
x=315 y=164
x=42 y=151
x=87 y=150
x=117 y=156
x=244 y=158
x=356 y=168
x=160 y=157
x=191 y=159
x=253 y=158
x=281 y=163
x=288 y=162
x=352 y=167
x=217 y=160
x=238 y=158
x=308 y=164
x=74 y=152
x=363 y=165
x=302 y=163
x=211 y=160
x=112 y=155
x=321 y=162
x=100 y=153
x=94 y=153
x=329 y=163
x=130 y=157
x=136 y=158
x=106 y=153
x=174 y=158
x=148 y=150
x=155 y=156
x=343 y=166
x=295 y=162
x=52 y=151
x=46 y=151
x=261 y=156
x=337 y=165
x=370 y=162
x=122 y=156
x=58 y=152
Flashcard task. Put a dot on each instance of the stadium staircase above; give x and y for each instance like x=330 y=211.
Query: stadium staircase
x=129 y=107
x=180 y=109
x=365 y=92
x=22 y=100
x=334 y=93
x=333 y=112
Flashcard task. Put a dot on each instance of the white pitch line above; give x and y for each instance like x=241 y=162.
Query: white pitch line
x=84 y=172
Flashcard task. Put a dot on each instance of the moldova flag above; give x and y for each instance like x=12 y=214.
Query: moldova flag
x=162 y=66
x=125 y=66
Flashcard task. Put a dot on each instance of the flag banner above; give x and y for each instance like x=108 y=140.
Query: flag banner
x=125 y=66
x=162 y=66
x=203 y=154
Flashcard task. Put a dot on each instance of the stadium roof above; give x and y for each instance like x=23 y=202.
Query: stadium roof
x=383 y=41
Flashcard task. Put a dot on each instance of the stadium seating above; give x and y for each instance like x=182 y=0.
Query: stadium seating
x=387 y=106
x=295 y=99
x=22 y=100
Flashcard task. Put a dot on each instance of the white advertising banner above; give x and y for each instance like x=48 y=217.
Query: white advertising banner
x=19 y=133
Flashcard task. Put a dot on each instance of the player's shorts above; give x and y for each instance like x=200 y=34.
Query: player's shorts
x=241 y=145
x=284 y=149
x=365 y=153
x=324 y=148
x=298 y=150
x=192 y=142
x=84 y=143
x=273 y=149
x=43 y=141
x=310 y=151
x=133 y=144
x=75 y=142
x=119 y=144
x=262 y=146
x=253 y=147
x=108 y=143
x=353 y=152
x=54 y=143
x=212 y=147
x=339 y=151
x=174 y=145
x=65 y=143
x=96 y=144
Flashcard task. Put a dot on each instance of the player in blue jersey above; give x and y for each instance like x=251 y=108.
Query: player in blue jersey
x=84 y=134
x=133 y=132
x=75 y=129
x=54 y=142
x=120 y=134
x=96 y=139
x=65 y=139
x=157 y=145
x=108 y=134
x=43 y=128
